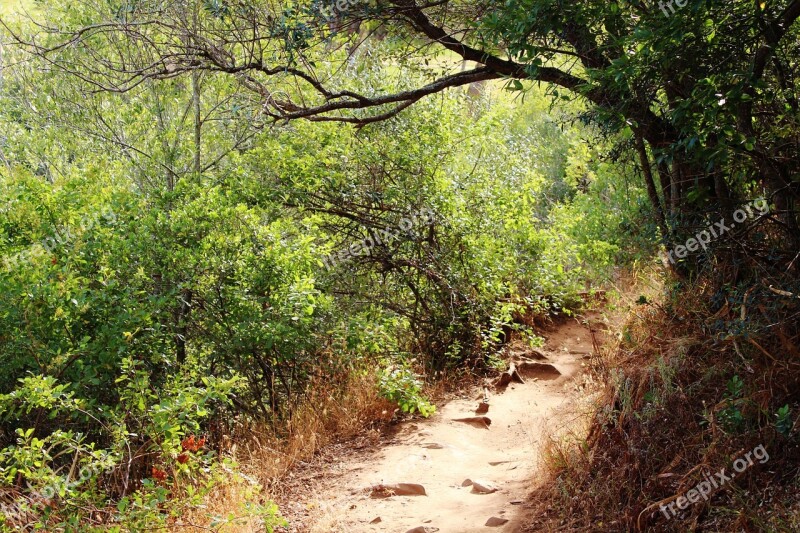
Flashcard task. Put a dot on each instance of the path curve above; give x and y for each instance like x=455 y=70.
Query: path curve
x=366 y=493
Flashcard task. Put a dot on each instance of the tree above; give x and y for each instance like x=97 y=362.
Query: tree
x=706 y=90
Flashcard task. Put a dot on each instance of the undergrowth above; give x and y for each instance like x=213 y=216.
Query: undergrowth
x=698 y=380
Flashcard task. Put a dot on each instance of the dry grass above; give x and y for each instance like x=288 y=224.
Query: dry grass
x=330 y=412
x=333 y=419
x=226 y=500
x=664 y=418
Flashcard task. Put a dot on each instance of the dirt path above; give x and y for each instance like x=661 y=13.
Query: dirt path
x=360 y=492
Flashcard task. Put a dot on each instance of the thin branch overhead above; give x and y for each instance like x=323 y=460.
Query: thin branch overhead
x=265 y=55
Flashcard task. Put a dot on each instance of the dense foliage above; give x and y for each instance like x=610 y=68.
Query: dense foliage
x=183 y=256
x=173 y=269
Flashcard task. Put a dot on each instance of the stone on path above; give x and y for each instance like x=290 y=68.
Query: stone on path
x=538 y=370
x=479 y=486
x=483 y=487
x=508 y=376
x=397 y=489
x=477 y=421
x=536 y=354
x=496 y=522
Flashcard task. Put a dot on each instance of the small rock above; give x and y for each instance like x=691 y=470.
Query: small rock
x=531 y=357
x=482 y=409
x=536 y=354
x=483 y=487
x=516 y=502
x=477 y=421
x=376 y=520
x=496 y=522
x=397 y=489
x=432 y=446
x=507 y=377
x=466 y=483
x=539 y=371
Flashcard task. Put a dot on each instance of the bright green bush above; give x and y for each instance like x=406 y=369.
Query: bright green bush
x=401 y=386
x=144 y=301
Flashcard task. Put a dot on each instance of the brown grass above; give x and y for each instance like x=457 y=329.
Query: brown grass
x=333 y=418
x=663 y=419
x=330 y=412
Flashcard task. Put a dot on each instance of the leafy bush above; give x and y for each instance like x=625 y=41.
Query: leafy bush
x=400 y=385
x=146 y=301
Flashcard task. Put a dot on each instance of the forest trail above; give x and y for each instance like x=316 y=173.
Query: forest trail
x=358 y=491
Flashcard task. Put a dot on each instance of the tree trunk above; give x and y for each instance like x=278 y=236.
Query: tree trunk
x=652 y=192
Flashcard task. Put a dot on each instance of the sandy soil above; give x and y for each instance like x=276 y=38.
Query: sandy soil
x=355 y=492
